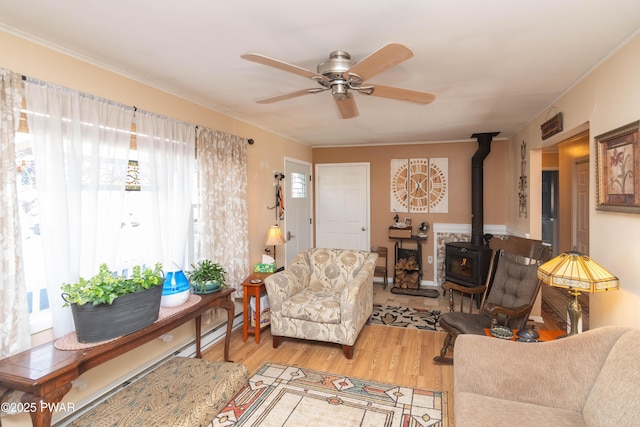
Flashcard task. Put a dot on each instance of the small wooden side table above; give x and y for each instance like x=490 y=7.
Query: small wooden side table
x=253 y=288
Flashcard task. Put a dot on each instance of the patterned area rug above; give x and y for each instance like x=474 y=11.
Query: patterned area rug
x=281 y=395
x=405 y=317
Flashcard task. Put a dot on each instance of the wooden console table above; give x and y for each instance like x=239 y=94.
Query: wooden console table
x=45 y=373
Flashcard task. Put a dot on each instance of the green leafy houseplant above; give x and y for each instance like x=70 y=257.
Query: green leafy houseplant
x=206 y=272
x=104 y=287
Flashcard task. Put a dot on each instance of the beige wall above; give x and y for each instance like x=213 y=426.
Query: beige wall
x=459 y=155
x=550 y=161
x=604 y=100
x=265 y=156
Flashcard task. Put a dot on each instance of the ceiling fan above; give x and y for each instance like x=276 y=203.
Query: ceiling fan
x=342 y=76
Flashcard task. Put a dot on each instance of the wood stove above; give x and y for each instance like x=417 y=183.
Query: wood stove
x=467 y=263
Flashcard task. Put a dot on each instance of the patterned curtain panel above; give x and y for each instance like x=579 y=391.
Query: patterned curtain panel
x=14 y=312
x=223 y=216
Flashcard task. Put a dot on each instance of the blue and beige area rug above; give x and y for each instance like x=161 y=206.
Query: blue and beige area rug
x=280 y=395
x=405 y=317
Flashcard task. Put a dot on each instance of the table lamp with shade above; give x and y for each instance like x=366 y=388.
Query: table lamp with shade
x=274 y=238
x=577 y=272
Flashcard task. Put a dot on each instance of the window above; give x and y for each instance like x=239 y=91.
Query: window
x=298 y=185
x=33 y=258
x=136 y=222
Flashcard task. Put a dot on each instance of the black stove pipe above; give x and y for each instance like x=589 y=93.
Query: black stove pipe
x=477 y=186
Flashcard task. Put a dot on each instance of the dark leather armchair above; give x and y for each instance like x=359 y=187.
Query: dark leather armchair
x=507 y=297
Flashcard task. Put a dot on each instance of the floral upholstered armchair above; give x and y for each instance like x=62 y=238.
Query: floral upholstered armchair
x=324 y=295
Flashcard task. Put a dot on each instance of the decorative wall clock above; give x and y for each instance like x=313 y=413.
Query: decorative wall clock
x=438 y=185
x=399 y=185
x=419 y=185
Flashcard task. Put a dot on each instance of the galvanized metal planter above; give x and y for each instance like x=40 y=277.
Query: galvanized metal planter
x=127 y=314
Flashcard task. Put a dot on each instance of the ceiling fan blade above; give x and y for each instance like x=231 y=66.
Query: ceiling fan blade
x=403 y=94
x=270 y=62
x=382 y=59
x=290 y=95
x=348 y=108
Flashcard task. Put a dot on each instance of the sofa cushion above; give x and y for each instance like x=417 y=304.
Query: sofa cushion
x=465 y=323
x=181 y=392
x=594 y=375
x=478 y=410
x=615 y=398
x=509 y=287
x=313 y=304
x=334 y=268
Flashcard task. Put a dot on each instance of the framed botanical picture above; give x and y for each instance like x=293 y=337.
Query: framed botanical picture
x=618 y=169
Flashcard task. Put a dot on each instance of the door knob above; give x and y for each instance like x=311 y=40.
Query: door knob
x=290 y=236
x=364 y=229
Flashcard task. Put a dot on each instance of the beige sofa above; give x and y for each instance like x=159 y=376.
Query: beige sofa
x=591 y=379
x=324 y=295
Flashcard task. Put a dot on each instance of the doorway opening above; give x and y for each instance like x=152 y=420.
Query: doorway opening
x=565 y=215
x=550 y=200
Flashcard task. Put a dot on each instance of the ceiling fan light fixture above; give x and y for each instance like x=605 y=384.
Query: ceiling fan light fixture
x=340 y=74
x=339 y=63
x=339 y=90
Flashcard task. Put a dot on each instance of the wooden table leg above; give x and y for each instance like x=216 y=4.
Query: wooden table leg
x=198 y=320
x=231 y=310
x=41 y=408
x=245 y=325
x=257 y=334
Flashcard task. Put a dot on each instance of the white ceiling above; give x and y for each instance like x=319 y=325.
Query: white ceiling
x=494 y=64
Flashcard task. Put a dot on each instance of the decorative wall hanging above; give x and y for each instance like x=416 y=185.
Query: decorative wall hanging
x=522 y=184
x=419 y=185
x=551 y=126
x=133 y=176
x=279 y=206
x=618 y=169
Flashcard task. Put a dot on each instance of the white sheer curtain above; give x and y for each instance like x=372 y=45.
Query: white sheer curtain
x=223 y=219
x=14 y=310
x=81 y=152
x=166 y=153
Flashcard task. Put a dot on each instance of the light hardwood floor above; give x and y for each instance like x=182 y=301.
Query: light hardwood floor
x=387 y=354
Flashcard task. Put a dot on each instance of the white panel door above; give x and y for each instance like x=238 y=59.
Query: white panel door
x=298 y=205
x=342 y=206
